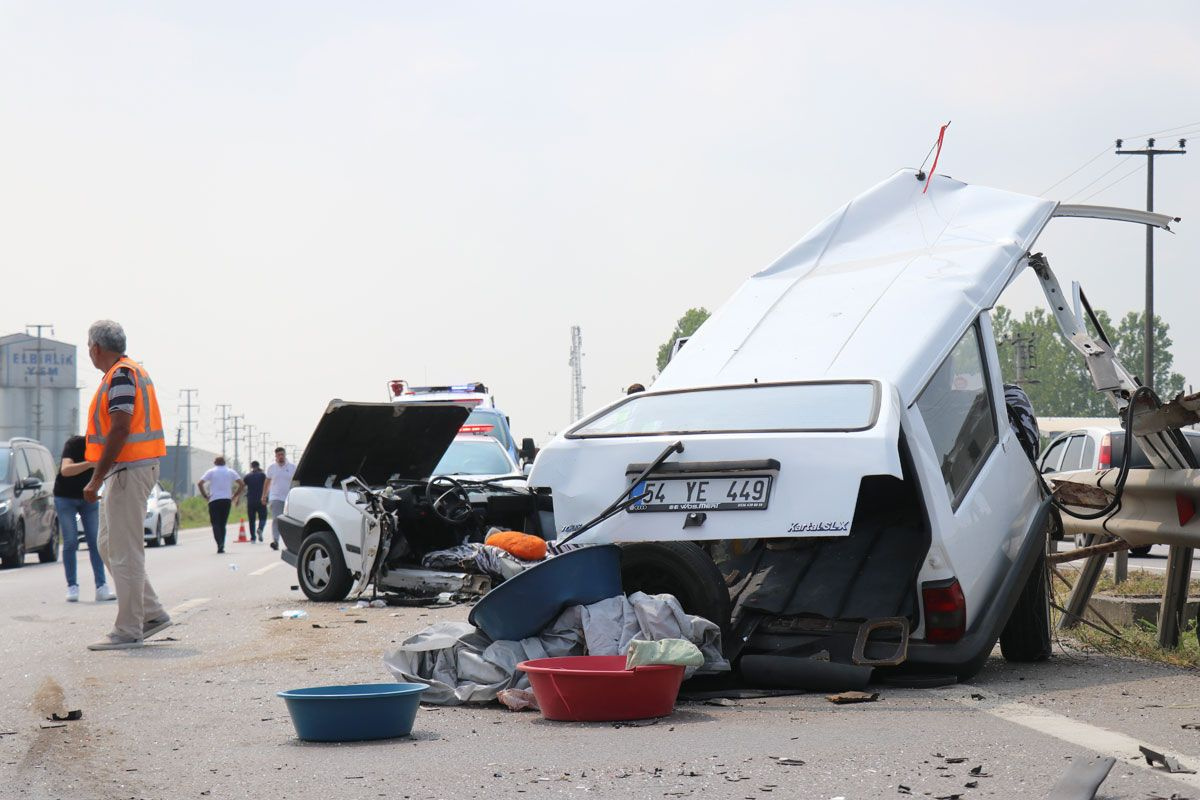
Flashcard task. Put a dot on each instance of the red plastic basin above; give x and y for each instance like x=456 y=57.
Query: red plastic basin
x=600 y=689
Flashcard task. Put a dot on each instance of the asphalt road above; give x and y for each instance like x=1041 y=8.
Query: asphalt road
x=1154 y=561
x=196 y=715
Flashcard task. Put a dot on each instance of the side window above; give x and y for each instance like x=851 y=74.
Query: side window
x=1053 y=456
x=22 y=464
x=1089 y=453
x=959 y=413
x=1074 y=452
x=47 y=465
x=36 y=468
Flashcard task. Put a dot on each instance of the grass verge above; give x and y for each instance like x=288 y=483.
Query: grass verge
x=1136 y=641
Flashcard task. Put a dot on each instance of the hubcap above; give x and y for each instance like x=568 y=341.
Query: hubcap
x=317 y=567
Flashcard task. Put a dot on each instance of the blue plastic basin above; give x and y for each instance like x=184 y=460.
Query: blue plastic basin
x=354 y=713
x=526 y=603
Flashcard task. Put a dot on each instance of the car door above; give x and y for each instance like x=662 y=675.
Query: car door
x=33 y=511
x=1053 y=456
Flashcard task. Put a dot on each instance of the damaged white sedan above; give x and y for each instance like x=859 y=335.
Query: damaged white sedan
x=827 y=468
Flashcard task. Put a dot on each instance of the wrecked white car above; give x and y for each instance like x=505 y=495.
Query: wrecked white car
x=369 y=503
x=827 y=470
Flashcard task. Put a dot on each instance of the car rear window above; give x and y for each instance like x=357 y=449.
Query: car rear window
x=757 y=408
x=490 y=418
x=1138 y=459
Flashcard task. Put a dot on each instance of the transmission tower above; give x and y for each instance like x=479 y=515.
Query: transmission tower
x=576 y=363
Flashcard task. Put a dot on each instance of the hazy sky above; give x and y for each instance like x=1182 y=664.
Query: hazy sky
x=289 y=202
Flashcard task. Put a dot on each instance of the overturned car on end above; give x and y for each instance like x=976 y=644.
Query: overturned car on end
x=827 y=469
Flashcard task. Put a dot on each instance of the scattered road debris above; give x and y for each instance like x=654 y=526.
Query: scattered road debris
x=54 y=725
x=977 y=772
x=843 y=698
x=1082 y=780
x=70 y=716
x=786 y=761
x=1169 y=763
x=724 y=702
x=518 y=699
x=294 y=613
x=1191 y=726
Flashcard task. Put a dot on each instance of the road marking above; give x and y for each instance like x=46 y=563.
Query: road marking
x=188 y=605
x=1092 y=737
x=267 y=568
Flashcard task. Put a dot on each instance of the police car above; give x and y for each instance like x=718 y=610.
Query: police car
x=484 y=420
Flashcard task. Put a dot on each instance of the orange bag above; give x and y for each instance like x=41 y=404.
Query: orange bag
x=521 y=545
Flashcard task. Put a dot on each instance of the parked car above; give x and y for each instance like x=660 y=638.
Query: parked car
x=827 y=466
x=28 y=522
x=1095 y=448
x=441 y=488
x=162 y=517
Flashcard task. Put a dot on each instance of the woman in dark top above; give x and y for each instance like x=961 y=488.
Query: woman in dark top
x=73 y=475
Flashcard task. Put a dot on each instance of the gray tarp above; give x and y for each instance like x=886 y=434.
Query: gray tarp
x=462 y=665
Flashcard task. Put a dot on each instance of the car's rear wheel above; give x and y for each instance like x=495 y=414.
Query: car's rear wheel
x=173 y=537
x=322 y=569
x=48 y=553
x=15 y=556
x=681 y=569
x=1140 y=552
x=1026 y=635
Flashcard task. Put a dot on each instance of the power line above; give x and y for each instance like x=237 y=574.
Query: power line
x=1096 y=180
x=1163 y=132
x=1076 y=172
x=1129 y=174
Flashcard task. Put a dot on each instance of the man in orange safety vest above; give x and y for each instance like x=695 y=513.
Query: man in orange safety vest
x=125 y=439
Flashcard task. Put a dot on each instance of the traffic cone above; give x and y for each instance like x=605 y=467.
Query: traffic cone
x=242 y=531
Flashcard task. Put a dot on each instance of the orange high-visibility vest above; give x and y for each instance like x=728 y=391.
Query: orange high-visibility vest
x=146 y=429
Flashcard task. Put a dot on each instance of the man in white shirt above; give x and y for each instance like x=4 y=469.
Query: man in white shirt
x=279 y=481
x=223 y=490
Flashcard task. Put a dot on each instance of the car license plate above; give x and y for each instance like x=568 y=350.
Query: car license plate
x=743 y=493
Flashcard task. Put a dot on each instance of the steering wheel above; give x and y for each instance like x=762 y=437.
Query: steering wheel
x=452 y=503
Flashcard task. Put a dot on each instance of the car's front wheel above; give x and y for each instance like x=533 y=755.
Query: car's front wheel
x=156 y=541
x=173 y=537
x=321 y=568
x=15 y=557
x=49 y=552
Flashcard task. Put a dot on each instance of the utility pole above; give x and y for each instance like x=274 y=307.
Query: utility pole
x=237 y=464
x=37 y=373
x=249 y=442
x=188 y=405
x=263 y=436
x=1179 y=559
x=576 y=363
x=224 y=419
x=1150 y=151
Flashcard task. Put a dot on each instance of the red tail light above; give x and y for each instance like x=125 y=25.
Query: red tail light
x=945 y=611
x=475 y=429
x=1106 y=452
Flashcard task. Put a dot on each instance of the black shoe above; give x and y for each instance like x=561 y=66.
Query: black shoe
x=220 y=550
x=274 y=545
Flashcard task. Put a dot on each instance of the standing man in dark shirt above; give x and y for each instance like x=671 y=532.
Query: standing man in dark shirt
x=74 y=474
x=256 y=506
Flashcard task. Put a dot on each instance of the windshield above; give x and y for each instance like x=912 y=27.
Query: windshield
x=4 y=458
x=482 y=457
x=741 y=409
x=490 y=419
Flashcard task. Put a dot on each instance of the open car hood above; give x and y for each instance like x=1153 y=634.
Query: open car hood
x=378 y=442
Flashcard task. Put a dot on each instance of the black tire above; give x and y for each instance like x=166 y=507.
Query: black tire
x=14 y=558
x=157 y=540
x=1140 y=552
x=48 y=553
x=173 y=538
x=1026 y=635
x=322 y=569
x=681 y=569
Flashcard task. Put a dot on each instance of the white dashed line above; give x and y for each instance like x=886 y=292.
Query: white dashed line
x=1101 y=740
x=267 y=568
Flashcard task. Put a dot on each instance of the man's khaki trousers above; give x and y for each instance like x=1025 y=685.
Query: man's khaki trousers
x=122 y=519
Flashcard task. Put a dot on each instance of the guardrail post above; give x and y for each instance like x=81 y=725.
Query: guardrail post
x=1174 y=599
